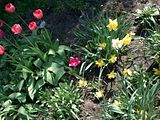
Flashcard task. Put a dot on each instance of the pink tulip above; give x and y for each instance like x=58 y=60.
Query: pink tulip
x=74 y=62
x=2 y=34
x=16 y=29
x=1 y=50
x=10 y=8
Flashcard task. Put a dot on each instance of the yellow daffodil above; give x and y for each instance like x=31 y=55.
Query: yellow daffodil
x=127 y=72
x=116 y=43
x=141 y=113
x=82 y=83
x=127 y=40
x=100 y=62
x=113 y=25
x=117 y=103
x=102 y=46
x=111 y=75
x=156 y=71
x=113 y=59
x=100 y=94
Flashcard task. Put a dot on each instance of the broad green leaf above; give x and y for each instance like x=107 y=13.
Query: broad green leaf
x=7 y=103
x=39 y=84
x=49 y=77
x=21 y=97
x=62 y=49
x=51 y=52
x=31 y=83
x=59 y=74
x=23 y=111
x=56 y=45
x=38 y=63
x=54 y=68
x=20 y=85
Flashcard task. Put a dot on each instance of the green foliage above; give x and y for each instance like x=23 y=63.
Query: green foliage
x=96 y=32
x=153 y=45
x=148 y=17
x=136 y=98
x=39 y=62
x=35 y=61
x=62 y=103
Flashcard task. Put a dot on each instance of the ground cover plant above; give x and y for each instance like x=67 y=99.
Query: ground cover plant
x=42 y=78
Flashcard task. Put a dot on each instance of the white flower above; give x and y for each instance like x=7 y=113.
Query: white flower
x=116 y=43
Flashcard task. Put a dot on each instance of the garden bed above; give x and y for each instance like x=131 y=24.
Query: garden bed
x=105 y=65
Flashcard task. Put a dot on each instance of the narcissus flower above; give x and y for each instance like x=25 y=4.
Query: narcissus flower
x=117 y=103
x=1 y=50
x=116 y=43
x=111 y=75
x=32 y=26
x=2 y=34
x=100 y=62
x=127 y=40
x=113 y=24
x=16 y=29
x=113 y=59
x=10 y=8
x=156 y=71
x=142 y=113
x=100 y=94
x=38 y=14
x=102 y=46
x=74 y=62
x=82 y=83
x=127 y=72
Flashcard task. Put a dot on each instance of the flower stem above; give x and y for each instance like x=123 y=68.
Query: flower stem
x=21 y=19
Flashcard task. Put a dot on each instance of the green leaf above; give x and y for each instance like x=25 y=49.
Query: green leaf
x=56 y=45
x=39 y=84
x=21 y=97
x=7 y=103
x=31 y=83
x=38 y=63
x=62 y=49
x=54 y=68
x=51 y=52
x=20 y=85
x=59 y=74
x=23 y=111
x=26 y=70
x=49 y=77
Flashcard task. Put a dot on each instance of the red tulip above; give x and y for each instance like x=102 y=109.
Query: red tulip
x=1 y=23
x=74 y=62
x=38 y=14
x=32 y=26
x=16 y=29
x=1 y=50
x=10 y=8
x=2 y=34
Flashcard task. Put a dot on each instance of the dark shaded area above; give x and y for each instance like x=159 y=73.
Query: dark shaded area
x=62 y=25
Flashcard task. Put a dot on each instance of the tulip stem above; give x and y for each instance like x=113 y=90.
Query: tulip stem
x=6 y=24
x=27 y=40
x=100 y=73
x=21 y=19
